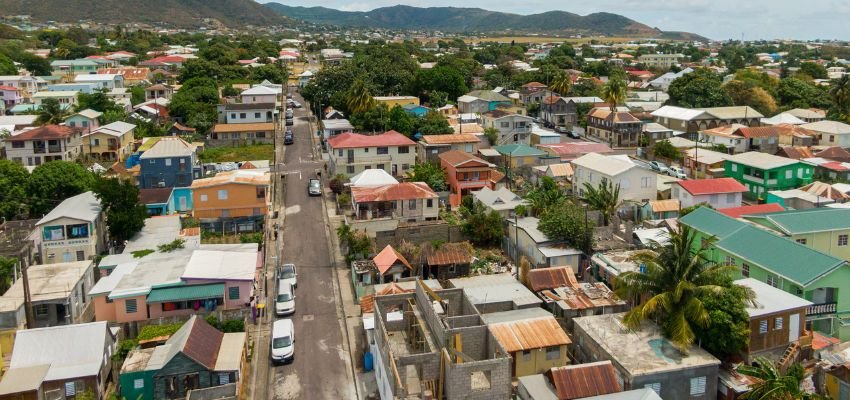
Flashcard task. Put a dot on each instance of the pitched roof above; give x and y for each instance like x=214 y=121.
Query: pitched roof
x=129 y=74
x=487 y=95
x=387 y=258
x=197 y=340
x=356 y=140
x=529 y=334
x=117 y=128
x=46 y=132
x=84 y=207
x=518 y=150
x=738 y=212
x=69 y=351
x=499 y=199
x=449 y=139
x=392 y=192
x=668 y=205
x=796 y=152
x=678 y=113
x=783 y=118
x=154 y=195
x=770 y=300
x=584 y=380
x=733 y=112
x=451 y=253
x=372 y=177
x=761 y=160
x=834 y=153
x=576 y=148
x=458 y=158
x=259 y=90
x=607 y=165
x=793 y=222
x=699 y=187
x=826 y=190
x=829 y=127
x=252 y=127
x=550 y=278
x=561 y=170
x=169 y=147
x=617 y=117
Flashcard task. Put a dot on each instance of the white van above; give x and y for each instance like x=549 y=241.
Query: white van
x=283 y=341
x=284 y=303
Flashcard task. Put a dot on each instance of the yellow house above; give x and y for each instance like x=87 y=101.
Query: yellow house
x=533 y=338
x=392 y=101
x=232 y=194
x=110 y=142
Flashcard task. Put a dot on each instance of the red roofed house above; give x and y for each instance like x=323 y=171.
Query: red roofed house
x=352 y=153
x=10 y=96
x=406 y=201
x=571 y=151
x=718 y=193
x=466 y=173
x=391 y=265
x=43 y=144
x=737 y=212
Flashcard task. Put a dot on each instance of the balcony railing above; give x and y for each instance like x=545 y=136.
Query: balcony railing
x=822 y=308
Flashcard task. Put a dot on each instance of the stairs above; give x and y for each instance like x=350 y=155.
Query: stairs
x=790 y=356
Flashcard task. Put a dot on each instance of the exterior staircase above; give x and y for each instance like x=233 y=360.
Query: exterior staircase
x=790 y=356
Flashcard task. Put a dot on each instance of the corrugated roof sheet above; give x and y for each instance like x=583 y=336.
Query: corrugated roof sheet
x=529 y=334
x=70 y=351
x=356 y=140
x=387 y=258
x=793 y=222
x=255 y=127
x=664 y=205
x=186 y=292
x=84 y=207
x=154 y=195
x=241 y=176
x=45 y=132
x=169 y=147
x=548 y=278
x=518 y=150
x=200 y=343
x=451 y=253
x=761 y=160
x=584 y=380
x=621 y=117
x=449 y=139
x=458 y=158
x=737 y=212
x=392 y=192
x=698 y=187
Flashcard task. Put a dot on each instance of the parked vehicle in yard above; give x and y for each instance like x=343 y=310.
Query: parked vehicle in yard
x=658 y=166
x=283 y=341
x=288 y=273
x=677 y=172
x=314 y=187
x=284 y=303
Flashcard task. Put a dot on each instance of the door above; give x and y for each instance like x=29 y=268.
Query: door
x=350 y=156
x=794 y=328
x=183 y=205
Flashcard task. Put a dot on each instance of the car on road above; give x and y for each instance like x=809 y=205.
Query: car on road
x=289 y=113
x=288 y=138
x=283 y=341
x=296 y=104
x=658 y=166
x=284 y=303
x=290 y=122
x=289 y=95
x=288 y=273
x=314 y=187
x=677 y=172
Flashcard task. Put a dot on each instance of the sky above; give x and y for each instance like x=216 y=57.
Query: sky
x=715 y=19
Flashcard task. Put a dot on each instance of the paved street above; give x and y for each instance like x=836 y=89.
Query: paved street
x=322 y=366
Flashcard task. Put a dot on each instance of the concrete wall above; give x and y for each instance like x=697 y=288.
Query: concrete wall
x=420 y=233
x=458 y=379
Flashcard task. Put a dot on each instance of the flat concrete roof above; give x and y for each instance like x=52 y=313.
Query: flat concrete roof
x=46 y=282
x=485 y=289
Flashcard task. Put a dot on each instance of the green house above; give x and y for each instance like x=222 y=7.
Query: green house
x=762 y=172
x=782 y=263
x=824 y=229
x=74 y=67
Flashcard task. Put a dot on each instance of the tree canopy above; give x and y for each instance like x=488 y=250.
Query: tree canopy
x=55 y=181
x=13 y=196
x=119 y=198
x=701 y=88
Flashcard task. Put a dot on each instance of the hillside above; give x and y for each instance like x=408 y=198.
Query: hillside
x=452 y=19
x=179 y=13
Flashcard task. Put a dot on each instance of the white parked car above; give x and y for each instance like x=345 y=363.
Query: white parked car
x=287 y=272
x=677 y=172
x=284 y=303
x=283 y=341
x=658 y=166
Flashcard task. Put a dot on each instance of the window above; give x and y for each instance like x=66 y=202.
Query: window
x=405 y=166
x=261 y=192
x=224 y=379
x=745 y=270
x=18 y=145
x=712 y=199
x=763 y=326
x=842 y=240
x=339 y=153
x=233 y=115
x=365 y=149
x=403 y=149
x=698 y=386
x=645 y=181
x=772 y=281
x=789 y=174
x=506 y=124
x=730 y=198
x=130 y=306
x=349 y=169
x=429 y=203
x=81 y=255
x=734 y=167
x=70 y=389
x=729 y=260
x=656 y=387
x=41 y=310
x=167 y=162
x=242 y=115
x=257 y=115
x=203 y=197
x=383 y=150
x=526 y=355
x=96 y=142
x=801 y=241
x=411 y=204
x=553 y=352
x=233 y=293
x=138 y=383
x=152 y=161
x=222 y=194
x=380 y=166
x=468 y=148
x=53 y=233
x=777 y=323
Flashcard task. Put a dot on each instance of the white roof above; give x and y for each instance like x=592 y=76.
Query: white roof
x=650 y=236
x=655 y=127
x=97 y=77
x=705 y=156
x=678 y=113
x=783 y=118
x=501 y=199
x=260 y=90
x=761 y=160
x=230 y=351
x=841 y=187
x=57 y=93
x=529 y=225
x=372 y=177
x=26 y=119
x=169 y=147
x=227 y=265
x=585 y=99
x=71 y=351
x=108 y=283
x=84 y=207
x=769 y=299
x=831 y=127
x=496 y=288
x=89 y=113
x=466 y=99
x=336 y=124
x=607 y=165
x=117 y=128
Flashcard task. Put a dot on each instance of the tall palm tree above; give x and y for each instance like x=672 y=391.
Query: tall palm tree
x=840 y=92
x=670 y=288
x=604 y=198
x=51 y=112
x=614 y=91
x=359 y=97
x=772 y=384
x=561 y=84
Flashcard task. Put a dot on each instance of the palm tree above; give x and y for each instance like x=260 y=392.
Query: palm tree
x=840 y=92
x=614 y=91
x=561 y=84
x=773 y=384
x=359 y=97
x=544 y=195
x=604 y=198
x=673 y=281
x=51 y=112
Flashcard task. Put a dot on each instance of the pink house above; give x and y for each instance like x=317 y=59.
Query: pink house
x=11 y=96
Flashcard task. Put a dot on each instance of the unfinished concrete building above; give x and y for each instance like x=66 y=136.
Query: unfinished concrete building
x=433 y=344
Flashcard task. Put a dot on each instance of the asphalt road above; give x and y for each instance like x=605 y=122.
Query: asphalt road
x=321 y=369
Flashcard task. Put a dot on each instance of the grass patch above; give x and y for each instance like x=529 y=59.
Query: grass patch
x=238 y=153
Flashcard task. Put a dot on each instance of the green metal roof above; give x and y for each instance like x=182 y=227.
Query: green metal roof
x=805 y=221
x=711 y=222
x=187 y=292
x=789 y=259
x=518 y=150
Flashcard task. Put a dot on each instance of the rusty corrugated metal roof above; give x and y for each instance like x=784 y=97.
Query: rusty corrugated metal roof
x=549 y=278
x=584 y=380
x=451 y=253
x=203 y=343
x=529 y=334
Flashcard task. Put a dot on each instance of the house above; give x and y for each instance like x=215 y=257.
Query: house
x=534 y=245
x=392 y=101
x=110 y=142
x=726 y=137
x=466 y=173
x=197 y=279
x=431 y=146
x=401 y=202
x=636 y=184
x=170 y=162
x=654 y=132
x=704 y=163
x=823 y=229
x=698 y=119
x=782 y=118
x=572 y=150
x=73 y=231
x=717 y=193
x=777 y=321
x=514 y=156
x=761 y=138
x=102 y=81
x=512 y=128
x=828 y=169
x=597 y=381
x=501 y=200
x=27 y=85
x=178 y=129
x=334 y=127
x=532 y=337
x=159 y=91
x=757 y=253
x=448 y=261
x=372 y=177
x=830 y=133
x=391 y=265
x=87 y=119
x=543 y=136
x=250 y=113
x=605 y=267
x=64 y=97
x=496 y=292
x=532 y=92
x=567 y=298
x=416 y=110
x=68 y=69
x=481 y=101
x=242 y=134
x=132 y=75
x=195 y=357
x=660 y=209
x=795 y=152
x=44 y=144
x=808 y=115
x=241 y=195
x=619 y=129
x=761 y=173
x=826 y=190
x=260 y=94
x=660 y=61
x=60 y=362
x=351 y=153
x=798 y=199
x=10 y=96
x=562 y=173
x=645 y=358
x=157 y=201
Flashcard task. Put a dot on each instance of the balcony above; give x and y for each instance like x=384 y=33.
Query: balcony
x=821 y=309
x=754 y=179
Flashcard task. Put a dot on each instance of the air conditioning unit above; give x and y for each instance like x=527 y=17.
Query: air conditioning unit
x=160 y=184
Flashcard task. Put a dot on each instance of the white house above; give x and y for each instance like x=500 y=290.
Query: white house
x=352 y=153
x=636 y=184
x=241 y=113
x=260 y=94
x=103 y=81
x=831 y=133
x=513 y=128
x=718 y=193
x=27 y=84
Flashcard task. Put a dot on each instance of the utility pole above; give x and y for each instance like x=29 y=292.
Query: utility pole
x=27 y=298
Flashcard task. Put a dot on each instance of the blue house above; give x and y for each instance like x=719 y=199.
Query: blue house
x=158 y=201
x=416 y=110
x=171 y=162
x=181 y=200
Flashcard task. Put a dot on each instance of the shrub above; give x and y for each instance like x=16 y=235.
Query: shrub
x=233 y=325
x=155 y=331
x=124 y=348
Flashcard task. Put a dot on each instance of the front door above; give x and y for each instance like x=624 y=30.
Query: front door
x=183 y=205
x=794 y=328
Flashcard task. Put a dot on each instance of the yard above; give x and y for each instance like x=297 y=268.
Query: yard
x=239 y=153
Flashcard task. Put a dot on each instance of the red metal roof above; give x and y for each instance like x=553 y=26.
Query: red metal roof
x=12 y=88
x=698 y=187
x=154 y=195
x=387 y=258
x=550 y=278
x=457 y=158
x=392 y=192
x=584 y=380
x=737 y=212
x=203 y=343
x=356 y=140
x=45 y=132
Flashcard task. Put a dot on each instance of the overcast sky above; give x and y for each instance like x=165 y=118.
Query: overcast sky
x=716 y=19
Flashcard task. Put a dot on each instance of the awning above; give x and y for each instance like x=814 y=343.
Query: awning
x=188 y=292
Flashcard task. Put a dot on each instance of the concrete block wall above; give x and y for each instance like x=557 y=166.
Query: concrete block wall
x=462 y=321
x=676 y=384
x=419 y=233
x=496 y=307
x=458 y=379
x=473 y=340
x=427 y=365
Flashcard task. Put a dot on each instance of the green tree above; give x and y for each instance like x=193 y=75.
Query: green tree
x=196 y=103
x=545 y=195
x=568 y=222
x=35 y=65
x=137 y=95
x=375 y=119
x=270 y=72
x=433 y=123
x=359 y=97
x=604 y=198
x=7 y=272
x=728 y=331
x=561 y=84
x=51 y=113
x=492 y=135
x=701 y=88
x=840 y=93
x=400 y=121
x=614 y=91
x=796 y=93
x=13 y=180
x=665 y=149
x=119 y=198
x=97 y=101
x=672 y=287
x=748 y=94
x=431 y=174
x=52 y=182
x=813 y=70
x=483 y=227
x=7 y=67
x=772 y=384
